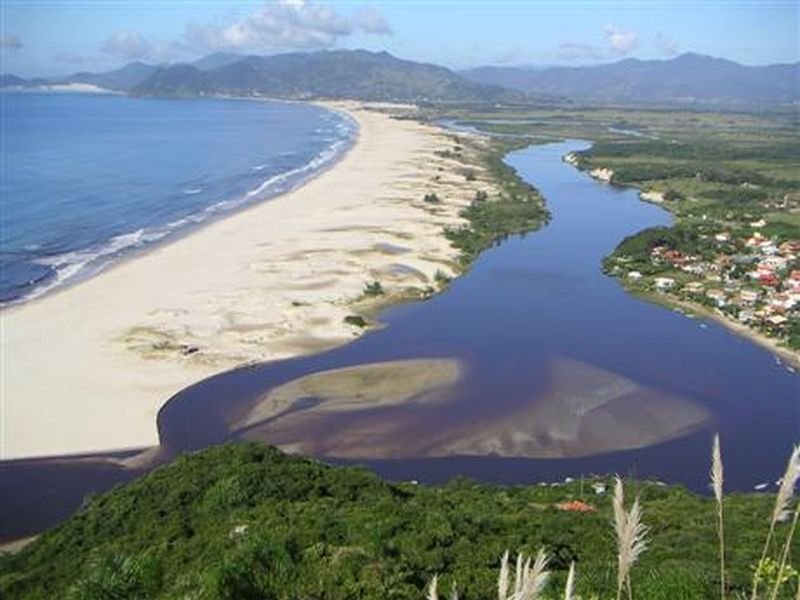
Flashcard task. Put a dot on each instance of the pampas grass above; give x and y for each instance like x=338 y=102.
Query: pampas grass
x=569 y=588
x=433 y=591
x=785 y=555
x=630 y=534
x=502 y=580
x=781 y=510
x=717 y=479
x=529 y=581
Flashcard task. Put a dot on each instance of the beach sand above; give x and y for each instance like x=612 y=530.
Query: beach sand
x=86 y=369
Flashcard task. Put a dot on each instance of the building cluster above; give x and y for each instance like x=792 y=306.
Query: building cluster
x=755 y=280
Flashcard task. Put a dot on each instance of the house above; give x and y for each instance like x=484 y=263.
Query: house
x=768 y=247
x=717 y=296
x=778 y=263
x=635 y=275
x=723 y=237
x=664 y=283
x=749 y=297
x=602 y=174
x=792 y=247
x=731 y=285
x=777 y=320
x=758 y=224
x=694 y=268
x=745 y=316
x=781 y=302
x=793 y=281
x=694 y=287
x=675 y=257
x=768 y=280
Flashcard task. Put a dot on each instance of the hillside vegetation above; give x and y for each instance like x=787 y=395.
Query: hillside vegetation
x=246 y=521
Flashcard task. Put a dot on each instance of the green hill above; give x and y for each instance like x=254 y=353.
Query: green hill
x=353 y=74
x=246 y=521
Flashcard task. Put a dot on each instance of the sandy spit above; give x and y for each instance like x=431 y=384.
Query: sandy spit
x=86 y=369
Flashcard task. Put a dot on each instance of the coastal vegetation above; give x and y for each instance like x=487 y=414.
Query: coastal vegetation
x=516 y=208
x=246 y=521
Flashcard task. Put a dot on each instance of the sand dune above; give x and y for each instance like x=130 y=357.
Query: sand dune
x=86 y=369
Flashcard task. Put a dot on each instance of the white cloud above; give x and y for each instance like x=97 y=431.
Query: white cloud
x=285 y=25
x=9 y=41
x=132 y=45
x=620 y=41
x=666 y=45
x=128 y=45
x=575 y=51
x=369 y=20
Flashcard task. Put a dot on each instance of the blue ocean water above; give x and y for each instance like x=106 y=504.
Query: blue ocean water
x=86 y=179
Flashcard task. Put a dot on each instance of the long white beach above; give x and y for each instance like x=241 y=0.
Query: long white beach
x=86 y=369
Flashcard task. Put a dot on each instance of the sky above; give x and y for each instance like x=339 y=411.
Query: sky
x=56 y=37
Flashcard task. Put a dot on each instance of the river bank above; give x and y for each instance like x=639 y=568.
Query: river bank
x=87 y=369
x=787 y=355
x=657 y=198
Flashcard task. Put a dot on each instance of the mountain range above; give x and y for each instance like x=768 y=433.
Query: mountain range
x=689 y=79
x=686 y=79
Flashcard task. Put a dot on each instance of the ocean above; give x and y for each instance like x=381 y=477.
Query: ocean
x=85 y=180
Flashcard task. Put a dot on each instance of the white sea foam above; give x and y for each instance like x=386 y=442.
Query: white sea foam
x=68 y=265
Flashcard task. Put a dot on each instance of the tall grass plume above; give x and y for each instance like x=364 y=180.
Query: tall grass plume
x=630 y=534
x=780 y=511
x=529 y=580
x=717 y=479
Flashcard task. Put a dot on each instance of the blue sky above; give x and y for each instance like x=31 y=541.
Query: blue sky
x=60 y=36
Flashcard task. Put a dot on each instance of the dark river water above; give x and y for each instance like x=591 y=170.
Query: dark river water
x=563 y=374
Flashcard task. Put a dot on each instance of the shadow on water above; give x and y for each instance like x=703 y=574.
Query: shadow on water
x=533 y=366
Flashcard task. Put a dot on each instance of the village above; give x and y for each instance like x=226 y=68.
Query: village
x=753 y=279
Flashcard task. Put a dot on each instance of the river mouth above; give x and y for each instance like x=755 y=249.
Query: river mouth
x=532 y=367
x=557 y=367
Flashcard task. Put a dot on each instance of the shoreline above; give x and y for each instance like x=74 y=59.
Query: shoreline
x=88 y=367
x=788 y=356
x=175 y=235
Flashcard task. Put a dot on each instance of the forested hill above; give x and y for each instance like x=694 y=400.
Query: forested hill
x=355 y=74
x=246 y=521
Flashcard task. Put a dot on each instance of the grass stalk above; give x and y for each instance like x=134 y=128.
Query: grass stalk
x=433 y=591
x=630 y=533
x=569 y=588
x=782 y=500
x=785 y=554
x=717 y=478
x=503 y=579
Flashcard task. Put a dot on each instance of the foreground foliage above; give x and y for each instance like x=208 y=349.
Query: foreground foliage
x=246 y=521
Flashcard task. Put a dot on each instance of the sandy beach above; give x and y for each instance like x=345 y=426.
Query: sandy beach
x=86 y=369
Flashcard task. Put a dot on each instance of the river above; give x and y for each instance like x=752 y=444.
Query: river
x=560 y=373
